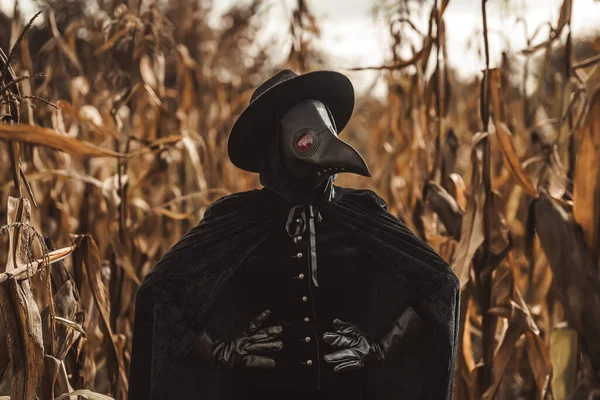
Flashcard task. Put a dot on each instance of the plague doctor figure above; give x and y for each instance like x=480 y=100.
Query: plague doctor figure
x=301 y=289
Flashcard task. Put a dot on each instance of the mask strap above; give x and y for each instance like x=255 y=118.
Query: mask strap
x=331 y=118
x=312 y=237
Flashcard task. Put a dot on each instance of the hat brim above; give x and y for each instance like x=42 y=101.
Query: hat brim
x=258 y=124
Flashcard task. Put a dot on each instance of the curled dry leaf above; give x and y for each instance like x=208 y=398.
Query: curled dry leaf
x=159 y=69
x=70 y=324
x=505 y=138
x=472 y=235
x=444 y=205
x=147 y=72
x=512 y=161
x=458 y=189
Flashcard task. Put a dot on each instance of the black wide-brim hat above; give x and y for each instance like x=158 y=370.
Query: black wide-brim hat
x=257 y=126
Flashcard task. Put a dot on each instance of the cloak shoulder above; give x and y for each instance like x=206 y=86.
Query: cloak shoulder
x=435 y=289
x=366 y=197
x=218 y=215
x=174 y=297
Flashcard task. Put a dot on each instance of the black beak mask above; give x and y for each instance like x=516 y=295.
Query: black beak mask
x=311 y=149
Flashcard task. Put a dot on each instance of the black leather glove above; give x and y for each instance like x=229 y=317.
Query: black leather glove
x=244 y=351
x=358 y=350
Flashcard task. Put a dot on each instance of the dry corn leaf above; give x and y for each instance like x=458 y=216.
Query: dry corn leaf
x=472 y=235
x=172 y=214
x=505 y=138
x=89 y=258
x=4 y=354
x=586 y=184
x=49 y=174
x=111 y=191
x=564 y=17
x=443 y=6
x=160 y=71
x=444 y=205
x=50 y=138
x=112 y=41
x=50 y=375
x=539 y=359
x=67 y=331
x=509 y=152
x=466 y=342
x=86 y=394
x=20 y=313
x=147 y=72
x=192 y=151
x=70 y=324
x=62 y=382
x=502 y=290
x=458 y=189
x=575 y=274
x=564 y=353
x=62 y=45
x=516 y=326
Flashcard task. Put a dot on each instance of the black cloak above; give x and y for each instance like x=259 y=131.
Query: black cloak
x=175 y=299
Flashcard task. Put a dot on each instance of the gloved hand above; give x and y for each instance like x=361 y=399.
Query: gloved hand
x=358 y=350
x=244 y=351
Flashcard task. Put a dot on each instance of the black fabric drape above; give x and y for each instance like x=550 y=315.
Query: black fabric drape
x=175 y=298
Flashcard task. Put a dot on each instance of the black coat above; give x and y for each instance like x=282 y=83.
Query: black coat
x=177 y=298
x=275 y=277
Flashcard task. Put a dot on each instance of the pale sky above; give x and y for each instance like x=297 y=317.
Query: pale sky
x=354 y=38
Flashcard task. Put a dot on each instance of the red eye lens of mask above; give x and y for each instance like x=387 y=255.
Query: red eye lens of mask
x=305 y=142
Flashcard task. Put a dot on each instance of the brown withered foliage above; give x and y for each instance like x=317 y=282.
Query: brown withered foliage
x=113 y=143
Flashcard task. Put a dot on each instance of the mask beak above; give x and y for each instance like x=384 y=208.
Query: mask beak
x=340 y=156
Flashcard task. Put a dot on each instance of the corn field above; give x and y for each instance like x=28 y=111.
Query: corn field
x=113 y=142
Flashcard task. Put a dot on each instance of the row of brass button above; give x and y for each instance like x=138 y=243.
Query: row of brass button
x=307 y=339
